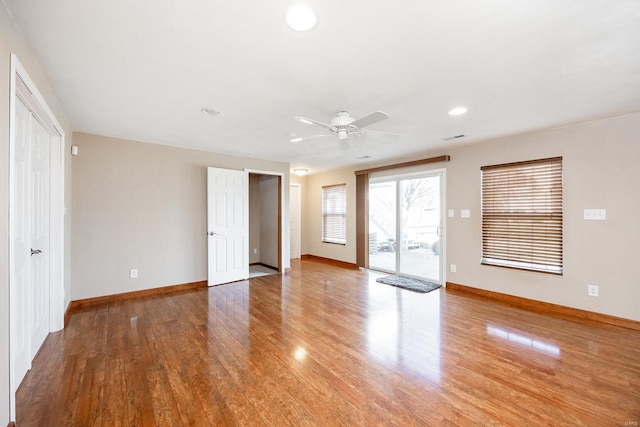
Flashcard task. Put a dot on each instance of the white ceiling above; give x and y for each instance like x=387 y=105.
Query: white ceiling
x=143 y=70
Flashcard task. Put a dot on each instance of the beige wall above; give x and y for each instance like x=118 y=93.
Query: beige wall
x=12 y=42
x=143 y=206
x=304 y=197
x=312 y=216
x=600 y=169
x=254 y=218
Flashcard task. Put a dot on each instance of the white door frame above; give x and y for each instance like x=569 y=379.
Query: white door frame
x=284 y=221
x=23 y=87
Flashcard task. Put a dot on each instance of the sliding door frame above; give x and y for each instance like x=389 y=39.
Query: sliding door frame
x=398 y=176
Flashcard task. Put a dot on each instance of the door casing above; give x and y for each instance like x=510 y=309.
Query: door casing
x=283 y=219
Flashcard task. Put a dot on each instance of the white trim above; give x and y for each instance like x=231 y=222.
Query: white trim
x=36 y=102
x=443 y=241
x=284 y=219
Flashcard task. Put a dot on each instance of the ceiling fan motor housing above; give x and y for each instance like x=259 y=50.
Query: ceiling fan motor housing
x=342 y=119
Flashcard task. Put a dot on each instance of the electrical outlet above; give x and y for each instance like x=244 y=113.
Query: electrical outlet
x=133 y=273
x=593 y=290
x=453 y=268
x=255 y=250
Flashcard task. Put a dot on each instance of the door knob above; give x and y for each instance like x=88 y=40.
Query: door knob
x=35 y=252
x=211 y=233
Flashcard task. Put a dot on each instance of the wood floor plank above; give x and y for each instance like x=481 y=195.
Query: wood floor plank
x=325 y=345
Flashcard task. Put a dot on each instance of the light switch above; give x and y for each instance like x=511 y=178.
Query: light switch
x=465 y=213
x=595 y=214
x=451 y=213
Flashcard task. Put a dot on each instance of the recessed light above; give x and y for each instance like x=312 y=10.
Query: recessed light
x=295 y=139
x=363 y=157
x=301 y=18
x=457 y=111
x=209 y=111
x=300 y=172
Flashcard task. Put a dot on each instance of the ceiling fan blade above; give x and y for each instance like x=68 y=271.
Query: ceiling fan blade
x=313 y=122
x=309 y=137
x=369 y=119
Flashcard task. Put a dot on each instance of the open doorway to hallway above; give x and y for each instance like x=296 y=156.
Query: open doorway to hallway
x=265 y=233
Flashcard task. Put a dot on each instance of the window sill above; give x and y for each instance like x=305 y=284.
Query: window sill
x=522 y=268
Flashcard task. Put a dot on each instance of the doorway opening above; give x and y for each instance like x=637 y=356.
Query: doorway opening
x=295 y=221
x=244 y=221
x=265 y=224
x=36 y=224
x=406 y=232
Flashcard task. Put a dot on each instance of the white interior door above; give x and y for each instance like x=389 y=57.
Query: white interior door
x=36 y=221
x=294 y=220
x=40 y=190
x=21 y=312
x=228 y=225
x=31 y=210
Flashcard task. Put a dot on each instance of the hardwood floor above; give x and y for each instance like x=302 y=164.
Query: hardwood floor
x=329 y=346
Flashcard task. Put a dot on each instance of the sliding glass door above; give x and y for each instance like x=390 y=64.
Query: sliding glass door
x=405 y=225
x=382 y=226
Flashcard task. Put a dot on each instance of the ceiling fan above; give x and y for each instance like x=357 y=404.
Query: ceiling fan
x=344 y=127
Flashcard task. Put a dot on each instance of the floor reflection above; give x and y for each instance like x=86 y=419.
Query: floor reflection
x=229 y=316
x=523 y=340
x=403 y=329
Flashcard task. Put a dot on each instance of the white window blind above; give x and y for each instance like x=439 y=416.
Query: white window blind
x=334 y=214
x=522 y=215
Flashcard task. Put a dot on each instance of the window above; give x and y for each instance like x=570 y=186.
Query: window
x=522 y=215
x=334 y=214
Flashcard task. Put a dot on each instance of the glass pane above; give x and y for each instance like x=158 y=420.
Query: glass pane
x=382 y=226
x=420 y=227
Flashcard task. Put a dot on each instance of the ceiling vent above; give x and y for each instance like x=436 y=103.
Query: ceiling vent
x=451 y=138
